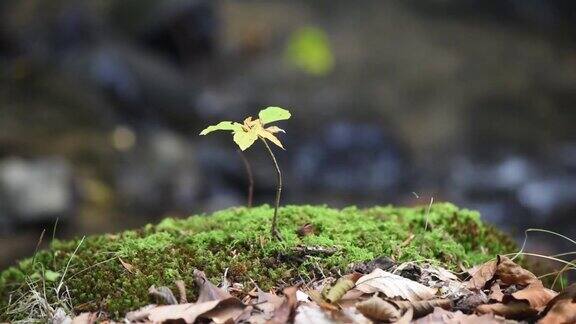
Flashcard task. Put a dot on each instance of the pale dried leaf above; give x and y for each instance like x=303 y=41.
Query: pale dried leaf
x=186 y=312
x=309 y=313
x=275 y=129
x=378 y=310
x=208 y=291
x=163 y=295
x=406 y=317
x=422 y=307
x=129 y=267
x=393 y=285
x=283 y=313
x=482 y=275
x=181 y=291
x=441 y=316
x=496 y=293
x=226 y=311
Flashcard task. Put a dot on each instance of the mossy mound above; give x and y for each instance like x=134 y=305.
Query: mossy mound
x=238 y=239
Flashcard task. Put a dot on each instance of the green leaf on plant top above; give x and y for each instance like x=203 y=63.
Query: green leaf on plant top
x=50 y=275
x=245 y=139
x=272 y=114
x=225 y=126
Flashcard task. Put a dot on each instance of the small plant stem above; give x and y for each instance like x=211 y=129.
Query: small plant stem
x=250 y=177
x=275 y=232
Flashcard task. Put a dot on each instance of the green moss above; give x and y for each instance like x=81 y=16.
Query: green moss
x=238 y=239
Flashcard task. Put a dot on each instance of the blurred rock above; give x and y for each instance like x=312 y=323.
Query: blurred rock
x=36 y=190
x=159 y=175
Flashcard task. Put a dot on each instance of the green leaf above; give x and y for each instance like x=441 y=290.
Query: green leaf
x=272 y=114
x=222 y=126
x=50 y=275
x=245 y=139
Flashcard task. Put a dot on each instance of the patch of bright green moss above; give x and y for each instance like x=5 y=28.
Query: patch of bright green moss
x=238 y=239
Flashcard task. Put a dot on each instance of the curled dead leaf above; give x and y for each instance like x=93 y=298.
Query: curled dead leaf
x=517 y=310
x=536 y=294
x=208 y=291
x=162 y=295
x=510 y=273
x=481 y=275
x=378 y=310
x=129 y=267
x=285 y=311
x=563 y=311
x=393 y=285
x=562 y=308
x=341 y=286
x=422 y=307
x=306 y=229
x=496 y=293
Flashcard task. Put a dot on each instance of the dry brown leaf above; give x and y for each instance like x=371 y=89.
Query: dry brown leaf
x=393 y=285
x=208 y=291
x=268 y=303
x=186 y=312
x=341 y=286
x=181 y=291
x=496 y=293
x=377 y=309
x=284 y=312
x=422 y=307
x=563 y=311
x=228 y=310
x=513 y=310
x=482 y=275
x=445 y=317
x=512 y=274
x=162 y=295
x=306 y=229
x=562 y=308
x=536 y=294
x=220 y=311
x=129 y=267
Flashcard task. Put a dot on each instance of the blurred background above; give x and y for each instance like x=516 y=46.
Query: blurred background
x=101 y=103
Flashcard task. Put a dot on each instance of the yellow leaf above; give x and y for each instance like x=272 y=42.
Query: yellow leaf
x=245 y=139
x=269 y=136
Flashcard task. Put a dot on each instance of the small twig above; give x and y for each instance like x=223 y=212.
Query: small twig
x=275 y=232
x=250 y=177
x=428 y=213
x=68 y=265
x=38 y=245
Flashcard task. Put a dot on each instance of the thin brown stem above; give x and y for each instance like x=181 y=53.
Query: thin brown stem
x=275 y=232
x=250 y=177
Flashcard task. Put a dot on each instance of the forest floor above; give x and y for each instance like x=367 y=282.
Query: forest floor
x=431 y=264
